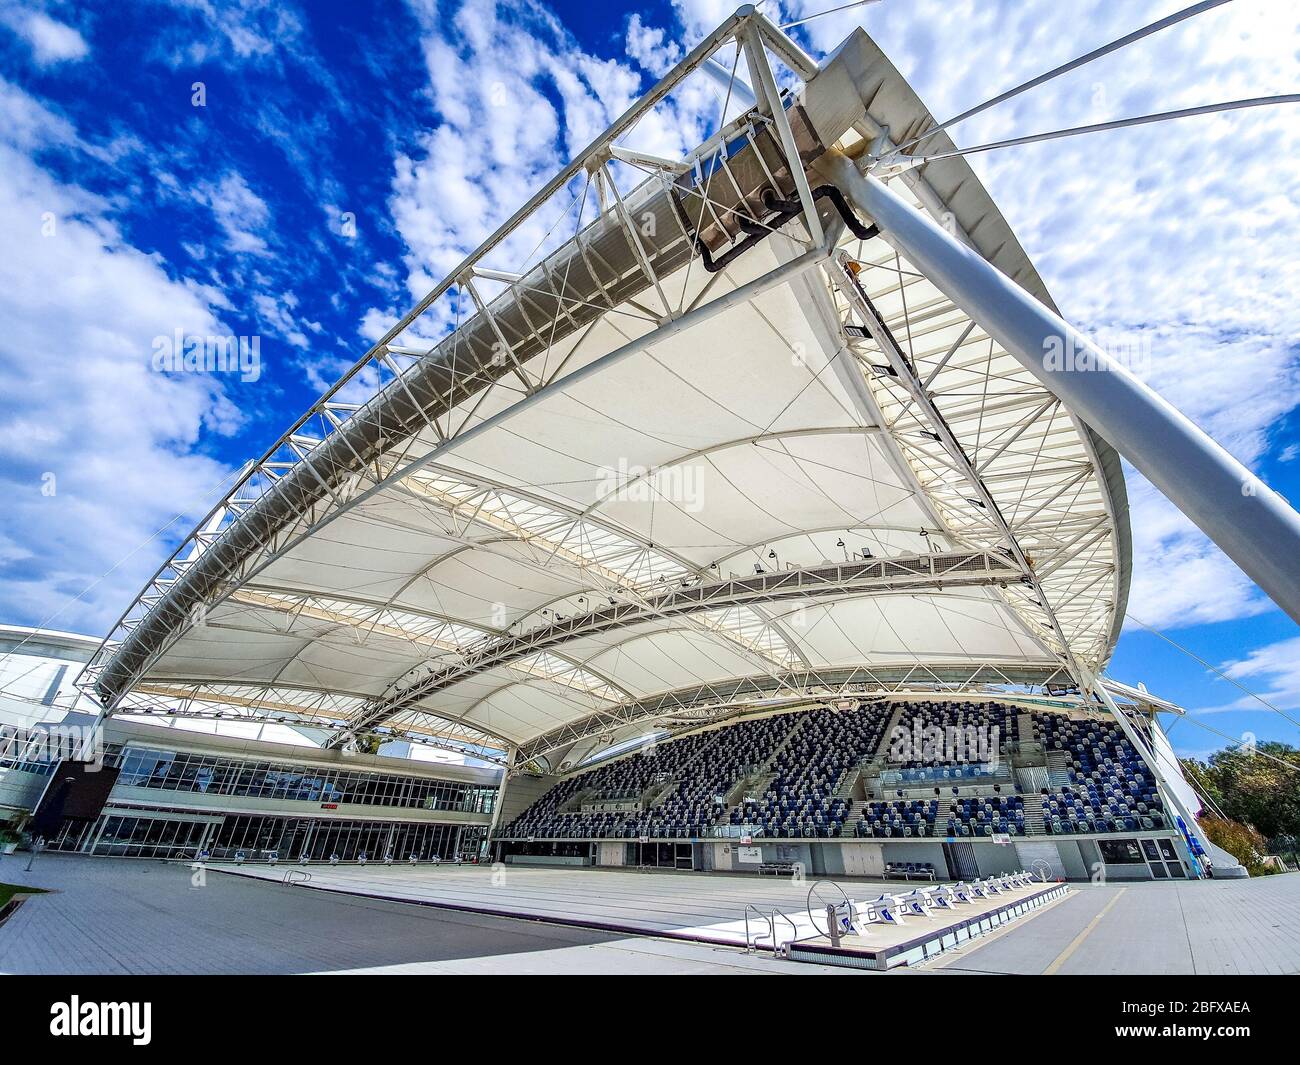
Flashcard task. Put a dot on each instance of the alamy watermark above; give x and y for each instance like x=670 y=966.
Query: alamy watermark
x=56 y=743
x=133 y=1020
x=680 y=485
x=952 y=743
x=188 y=353
x=1100 y=352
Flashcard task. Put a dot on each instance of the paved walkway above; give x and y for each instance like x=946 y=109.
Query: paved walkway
x=1210 y=927
x=123 y=916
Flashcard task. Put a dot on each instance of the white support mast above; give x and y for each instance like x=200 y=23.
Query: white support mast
x=1253 y=525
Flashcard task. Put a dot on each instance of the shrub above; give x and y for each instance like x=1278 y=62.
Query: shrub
x=1241 y=841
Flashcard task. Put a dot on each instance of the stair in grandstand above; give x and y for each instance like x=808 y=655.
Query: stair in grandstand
x=661 y=788
x=849 y=828
x=575 y=803
x=795 y=727
x=754 y=781
x=657 y=792
x=768 y=768
x=848 y=782
x=1034 y=825
x=1028 y=759
x=1058 y=768
x=759 y=779
x=706 y=749
x=869 y=771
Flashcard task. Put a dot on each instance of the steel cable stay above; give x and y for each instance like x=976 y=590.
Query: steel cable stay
x=1234 y=742
x=828 y=11
x=1213 y=669
x=1065 y=68
x=1119 y=123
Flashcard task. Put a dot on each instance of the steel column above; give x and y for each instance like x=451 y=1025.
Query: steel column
x=1252 y=524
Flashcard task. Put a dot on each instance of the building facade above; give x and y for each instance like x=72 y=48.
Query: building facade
x=173 y=792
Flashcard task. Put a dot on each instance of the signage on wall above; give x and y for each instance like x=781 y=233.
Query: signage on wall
x=749 y=855
x=1001 y=838
x=329 y=806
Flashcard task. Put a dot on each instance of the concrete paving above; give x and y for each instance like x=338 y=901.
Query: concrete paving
x=1192 y=928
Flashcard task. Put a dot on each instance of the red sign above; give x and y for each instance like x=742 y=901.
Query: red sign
x=329 y=806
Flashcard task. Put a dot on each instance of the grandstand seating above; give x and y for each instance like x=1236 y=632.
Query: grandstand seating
x=801 y=764
x=799 y=802
x=973 y=726
x=692 y=802
x=977 y=816
x=1111 y=789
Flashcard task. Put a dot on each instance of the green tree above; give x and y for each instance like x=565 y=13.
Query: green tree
x=1254 y=790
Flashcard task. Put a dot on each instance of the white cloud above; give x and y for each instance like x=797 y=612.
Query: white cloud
x=242 y=215
x=651 y=46
x=1278 y=665
x=280 y=315
x=498 y=136
x=51 y=41
x=246 y=29
x=98 y=450
x=1179 y=577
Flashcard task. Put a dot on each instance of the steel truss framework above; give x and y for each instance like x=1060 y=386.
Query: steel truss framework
x=321 y=712
x=1053 y=508
x=874 y=576
x=1011 y=486
x=691 y=707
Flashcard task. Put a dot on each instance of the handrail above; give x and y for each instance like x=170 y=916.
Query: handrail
x=171 y=853
x=793 y=927
x=770 y=917
x=752 y=944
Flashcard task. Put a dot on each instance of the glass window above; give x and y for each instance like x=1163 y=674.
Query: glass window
x=145 y=767
x=1120 y=851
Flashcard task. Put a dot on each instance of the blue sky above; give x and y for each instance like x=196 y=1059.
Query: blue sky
x=340 y=159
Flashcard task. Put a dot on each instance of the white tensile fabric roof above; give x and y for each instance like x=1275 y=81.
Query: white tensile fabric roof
x=758 y=437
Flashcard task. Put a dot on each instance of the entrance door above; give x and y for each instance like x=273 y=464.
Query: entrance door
x=1162 y=859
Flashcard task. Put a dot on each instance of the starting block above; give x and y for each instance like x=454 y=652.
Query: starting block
x=918 y=902
x=887 y=909
x=945 y=897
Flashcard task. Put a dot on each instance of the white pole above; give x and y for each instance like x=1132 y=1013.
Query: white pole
x=1146 y=750
x=1253 y=525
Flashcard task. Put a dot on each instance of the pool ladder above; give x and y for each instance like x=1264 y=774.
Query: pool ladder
x=770 y=919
